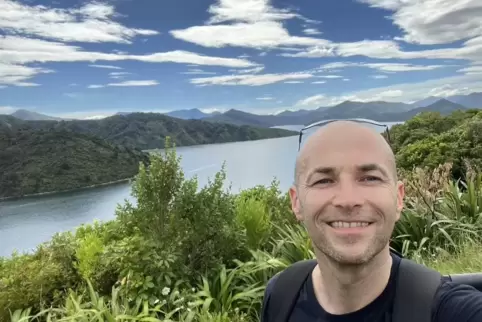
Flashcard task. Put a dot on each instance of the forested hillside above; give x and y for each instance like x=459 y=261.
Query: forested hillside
x=37 y=160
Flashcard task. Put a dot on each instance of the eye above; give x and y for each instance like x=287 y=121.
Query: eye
x=371 y=178
x=323 y=181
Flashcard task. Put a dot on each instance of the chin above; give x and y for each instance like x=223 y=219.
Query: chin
x=350 y=255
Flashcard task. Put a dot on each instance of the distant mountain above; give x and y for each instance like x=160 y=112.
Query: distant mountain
x=192 y=114
x=443 y=106
x=426 y=101
x=148 y=130
x=238 y=117
x=347 y=109
x=294 y=113
x=34 y=160
x=355 y=109
x=473 y=100
x=27 y=115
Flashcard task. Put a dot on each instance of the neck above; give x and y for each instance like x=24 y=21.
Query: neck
x=342 y=289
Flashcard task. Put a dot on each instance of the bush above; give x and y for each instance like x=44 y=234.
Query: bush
x=187 y=253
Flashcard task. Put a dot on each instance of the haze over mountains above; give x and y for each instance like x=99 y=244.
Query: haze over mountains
x=377 y=110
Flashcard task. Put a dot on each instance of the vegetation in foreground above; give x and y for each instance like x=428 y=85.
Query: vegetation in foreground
x=189 y=253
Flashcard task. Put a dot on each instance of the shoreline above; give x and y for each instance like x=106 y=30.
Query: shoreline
x=40 y=194
x=149 y=151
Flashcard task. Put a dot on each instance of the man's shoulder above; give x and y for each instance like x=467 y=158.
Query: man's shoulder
x=457 y=302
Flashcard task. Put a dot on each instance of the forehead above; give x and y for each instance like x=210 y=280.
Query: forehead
x=347 y=148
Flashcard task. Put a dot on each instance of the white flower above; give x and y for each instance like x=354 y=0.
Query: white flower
x=166 y=291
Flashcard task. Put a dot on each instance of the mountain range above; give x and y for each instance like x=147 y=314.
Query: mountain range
x=376 y=110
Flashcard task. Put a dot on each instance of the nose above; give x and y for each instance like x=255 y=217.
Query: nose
x=346 y=195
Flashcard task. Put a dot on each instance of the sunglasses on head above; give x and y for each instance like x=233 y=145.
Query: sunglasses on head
x=359 y=120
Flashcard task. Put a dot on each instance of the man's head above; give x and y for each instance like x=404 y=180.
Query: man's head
x=346 y=176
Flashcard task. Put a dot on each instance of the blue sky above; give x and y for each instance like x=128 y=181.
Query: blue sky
x=88 y=59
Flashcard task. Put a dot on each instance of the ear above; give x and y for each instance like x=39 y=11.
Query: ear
x=295 y=202
x=400 y=198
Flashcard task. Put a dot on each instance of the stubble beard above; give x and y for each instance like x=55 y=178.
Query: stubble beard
x=325 y=246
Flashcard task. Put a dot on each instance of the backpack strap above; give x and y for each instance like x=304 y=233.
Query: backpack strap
x=285 y=291
x=415 y=289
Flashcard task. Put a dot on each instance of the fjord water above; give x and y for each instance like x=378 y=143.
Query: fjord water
x=27 y=222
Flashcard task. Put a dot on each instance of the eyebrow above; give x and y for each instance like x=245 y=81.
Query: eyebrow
x=362 y=168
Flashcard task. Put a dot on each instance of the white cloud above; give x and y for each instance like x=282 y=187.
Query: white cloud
x=119 y=75
x=311 y=31
x=379 y=76
x=388 y=49
x=179 y=56
x=197 y=71
x=250 y=79
x=329 y=76
x=17 y=51
x=254 y=70
x=391 y=93
x=293 y=82
x=312 y=100
x=7 y=109
x=435 y=21
x=23 y=50
x=319 y=82
x=247 y=23
x=447 y=90
x=95 y=117
x=260 y=35
x=90 y=23
x=409 y=92
x=476 y=69
x=213 y=109
x=128 y=84
x=105 y=66
x=13 y=74
x=314 y=52
x=346 y=79
x=385 y=67
x=86 y=115
x=265 y=98
x=394 y=67
x=247 y=11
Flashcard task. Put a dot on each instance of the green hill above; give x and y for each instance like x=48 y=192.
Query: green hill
x=148 y=130
x=36 y=161
x=44 y=156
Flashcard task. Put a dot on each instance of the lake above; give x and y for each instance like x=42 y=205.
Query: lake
x=27 y=222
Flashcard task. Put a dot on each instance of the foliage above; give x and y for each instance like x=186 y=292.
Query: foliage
x=429 y=139
x=38 y=161
x=187 y=253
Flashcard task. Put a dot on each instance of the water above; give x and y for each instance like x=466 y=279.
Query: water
x=28 y=222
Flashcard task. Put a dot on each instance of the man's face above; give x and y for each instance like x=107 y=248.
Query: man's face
x=347 y=196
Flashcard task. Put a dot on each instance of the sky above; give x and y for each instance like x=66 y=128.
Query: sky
x=88 y=59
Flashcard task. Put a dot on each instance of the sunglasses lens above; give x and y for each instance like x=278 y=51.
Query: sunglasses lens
x=363 y=121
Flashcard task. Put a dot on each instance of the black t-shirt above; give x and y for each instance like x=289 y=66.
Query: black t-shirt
x=453 y=303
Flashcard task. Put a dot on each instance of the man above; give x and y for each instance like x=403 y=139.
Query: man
x=347 y=195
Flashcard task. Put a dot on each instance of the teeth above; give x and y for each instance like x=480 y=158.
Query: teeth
x=344 y=224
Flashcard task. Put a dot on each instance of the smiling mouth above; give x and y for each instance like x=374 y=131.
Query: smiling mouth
x=351 y=224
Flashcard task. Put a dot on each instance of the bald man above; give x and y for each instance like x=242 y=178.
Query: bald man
x=347 y=195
